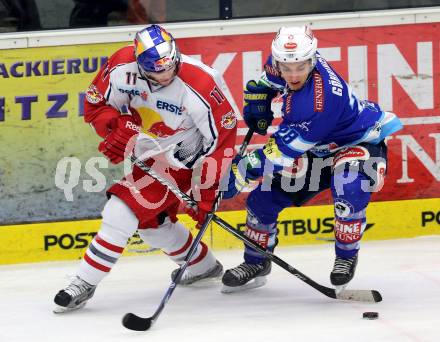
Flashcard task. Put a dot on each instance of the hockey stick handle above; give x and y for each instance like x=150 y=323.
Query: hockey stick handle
x=241 y=152
x=246 y=141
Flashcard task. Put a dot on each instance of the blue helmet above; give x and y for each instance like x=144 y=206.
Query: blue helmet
x=155 y=49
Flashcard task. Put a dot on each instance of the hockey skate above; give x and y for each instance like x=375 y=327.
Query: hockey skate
x=246 y=276
x=189 y=279
x=343 y=272
x=74 y=296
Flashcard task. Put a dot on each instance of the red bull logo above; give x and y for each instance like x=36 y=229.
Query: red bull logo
x=290 y=45
x=93 y=95
x=229 y=120
x=161 y=130
x=164 y=63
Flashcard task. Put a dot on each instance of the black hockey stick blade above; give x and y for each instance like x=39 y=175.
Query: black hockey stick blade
x=377 y=296
x=134 y=322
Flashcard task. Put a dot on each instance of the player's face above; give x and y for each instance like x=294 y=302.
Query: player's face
x=163 y=78
x=295 y=74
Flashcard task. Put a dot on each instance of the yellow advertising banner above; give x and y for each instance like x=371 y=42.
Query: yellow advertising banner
x=314 y=224
x=297 y=226
x=41 y=122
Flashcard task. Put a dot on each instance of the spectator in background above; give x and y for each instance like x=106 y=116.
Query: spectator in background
x=24 y=12
x=89 y=13
x=146 y=11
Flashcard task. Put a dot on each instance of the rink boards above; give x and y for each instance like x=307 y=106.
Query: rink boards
x=297 y=226
x=57 y=174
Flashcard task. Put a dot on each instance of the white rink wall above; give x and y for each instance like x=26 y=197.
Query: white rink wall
x=390 y=57
x=223 y=27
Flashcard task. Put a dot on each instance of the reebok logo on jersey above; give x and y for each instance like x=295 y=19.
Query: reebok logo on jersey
x=132 y=126
x=348 y=231
x=172 y=108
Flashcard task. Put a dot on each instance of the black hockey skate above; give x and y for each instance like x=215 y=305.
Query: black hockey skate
x=343 y=272
x=211 y=274
x=240 y=278
x=74 y=296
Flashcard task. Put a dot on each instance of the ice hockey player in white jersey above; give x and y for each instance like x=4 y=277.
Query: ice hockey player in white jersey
x=328 y=138
x=169 y=110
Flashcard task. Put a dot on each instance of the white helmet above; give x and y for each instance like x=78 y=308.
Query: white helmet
x=294 y=44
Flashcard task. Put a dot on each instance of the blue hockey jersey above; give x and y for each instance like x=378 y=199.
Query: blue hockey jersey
x=322 y=117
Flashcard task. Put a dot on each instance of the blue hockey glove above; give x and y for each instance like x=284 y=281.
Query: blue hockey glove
x=257 y=102
x=243 y=171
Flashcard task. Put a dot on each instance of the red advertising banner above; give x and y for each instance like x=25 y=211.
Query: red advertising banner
x=396 y=66
x=55 y=172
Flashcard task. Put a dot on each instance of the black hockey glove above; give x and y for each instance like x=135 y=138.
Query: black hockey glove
x=257 y=107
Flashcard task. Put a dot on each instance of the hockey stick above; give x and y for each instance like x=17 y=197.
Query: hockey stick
x=134 y=322
x=353 y=295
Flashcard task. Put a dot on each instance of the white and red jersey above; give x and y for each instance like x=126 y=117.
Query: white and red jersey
x=186 y=121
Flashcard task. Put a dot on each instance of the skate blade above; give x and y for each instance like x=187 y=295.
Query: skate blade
x=257 y=282
x=62 y=309
x=340 y=288
x=203 y=282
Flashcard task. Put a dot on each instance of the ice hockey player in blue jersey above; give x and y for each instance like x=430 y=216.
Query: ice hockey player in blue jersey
x=327 y=139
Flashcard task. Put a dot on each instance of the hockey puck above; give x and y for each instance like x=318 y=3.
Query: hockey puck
x=370 y=315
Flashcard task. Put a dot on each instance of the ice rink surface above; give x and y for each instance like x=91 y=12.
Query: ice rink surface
x=406 y=272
